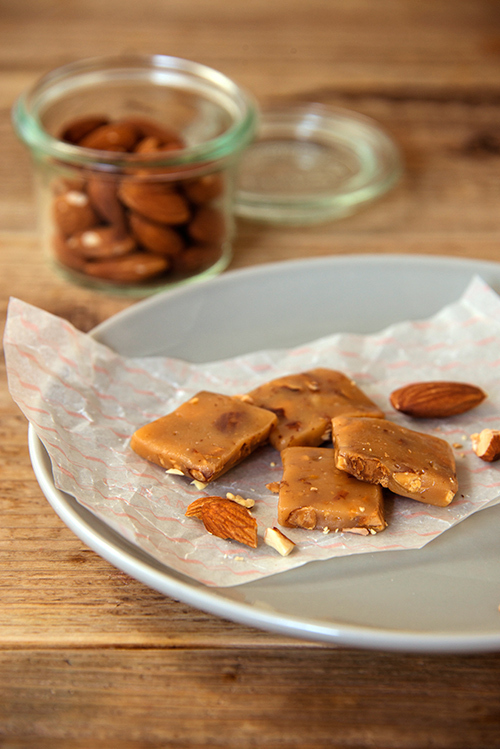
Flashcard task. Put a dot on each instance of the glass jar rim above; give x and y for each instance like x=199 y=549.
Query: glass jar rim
x=29 y=127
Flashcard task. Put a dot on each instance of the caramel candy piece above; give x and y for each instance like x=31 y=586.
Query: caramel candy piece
x=204 y=437
x=315 y=494
x=306 y=403
x=409 y=463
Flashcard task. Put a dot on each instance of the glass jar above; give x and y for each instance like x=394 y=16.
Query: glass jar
x=135 y=160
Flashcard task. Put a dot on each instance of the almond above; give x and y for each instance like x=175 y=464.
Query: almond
x=66 y=256
x=112 y=228
x=117 y=136
x=158 y=238
x=206 y=188
x=247 y=502
x=195 y=509
x=431 y=400
x=72 y=212
x=486 y=444
x=152 y=144
x=103 y=195
x=68 y=184
x=150 y=128
x=79 y=128
x=157 y=201
x=225 y=519
x=101 y=242
x=195 y=259
x=208 y=225
x=273 y=486
x=133 y=268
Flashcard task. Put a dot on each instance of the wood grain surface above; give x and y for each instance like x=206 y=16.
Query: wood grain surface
x=89 y=657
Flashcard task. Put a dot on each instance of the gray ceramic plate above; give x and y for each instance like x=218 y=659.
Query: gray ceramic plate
x=442 y=598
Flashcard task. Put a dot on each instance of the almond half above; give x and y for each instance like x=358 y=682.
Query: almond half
x=226 y=519
x=195 y=509
x=440 y=399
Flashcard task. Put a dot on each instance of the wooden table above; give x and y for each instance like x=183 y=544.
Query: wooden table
x=89 y=657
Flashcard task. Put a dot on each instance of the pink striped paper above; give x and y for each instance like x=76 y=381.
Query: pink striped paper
x=84 y=402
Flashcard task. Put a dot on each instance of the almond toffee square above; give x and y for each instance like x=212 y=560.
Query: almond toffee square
x=409 y=463
x=315 y=494
x=305 y=404
x=205 y=436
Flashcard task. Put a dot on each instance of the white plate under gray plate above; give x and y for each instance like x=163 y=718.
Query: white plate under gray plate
x=442 y=598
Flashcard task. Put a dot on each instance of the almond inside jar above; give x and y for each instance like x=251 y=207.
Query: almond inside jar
x=143 y=226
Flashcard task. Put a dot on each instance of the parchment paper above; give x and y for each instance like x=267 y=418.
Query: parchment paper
x=84 y=402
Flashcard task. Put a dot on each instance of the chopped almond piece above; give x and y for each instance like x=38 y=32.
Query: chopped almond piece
x=486 y=444
x=277 y=540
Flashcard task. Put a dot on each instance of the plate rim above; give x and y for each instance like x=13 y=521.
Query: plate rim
x=276 y=266
x=180 y=587
x=322 y=124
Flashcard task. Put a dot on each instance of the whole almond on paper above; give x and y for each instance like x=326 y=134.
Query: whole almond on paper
x=439 y=399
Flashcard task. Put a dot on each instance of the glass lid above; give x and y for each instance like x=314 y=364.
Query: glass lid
x=313 y=163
